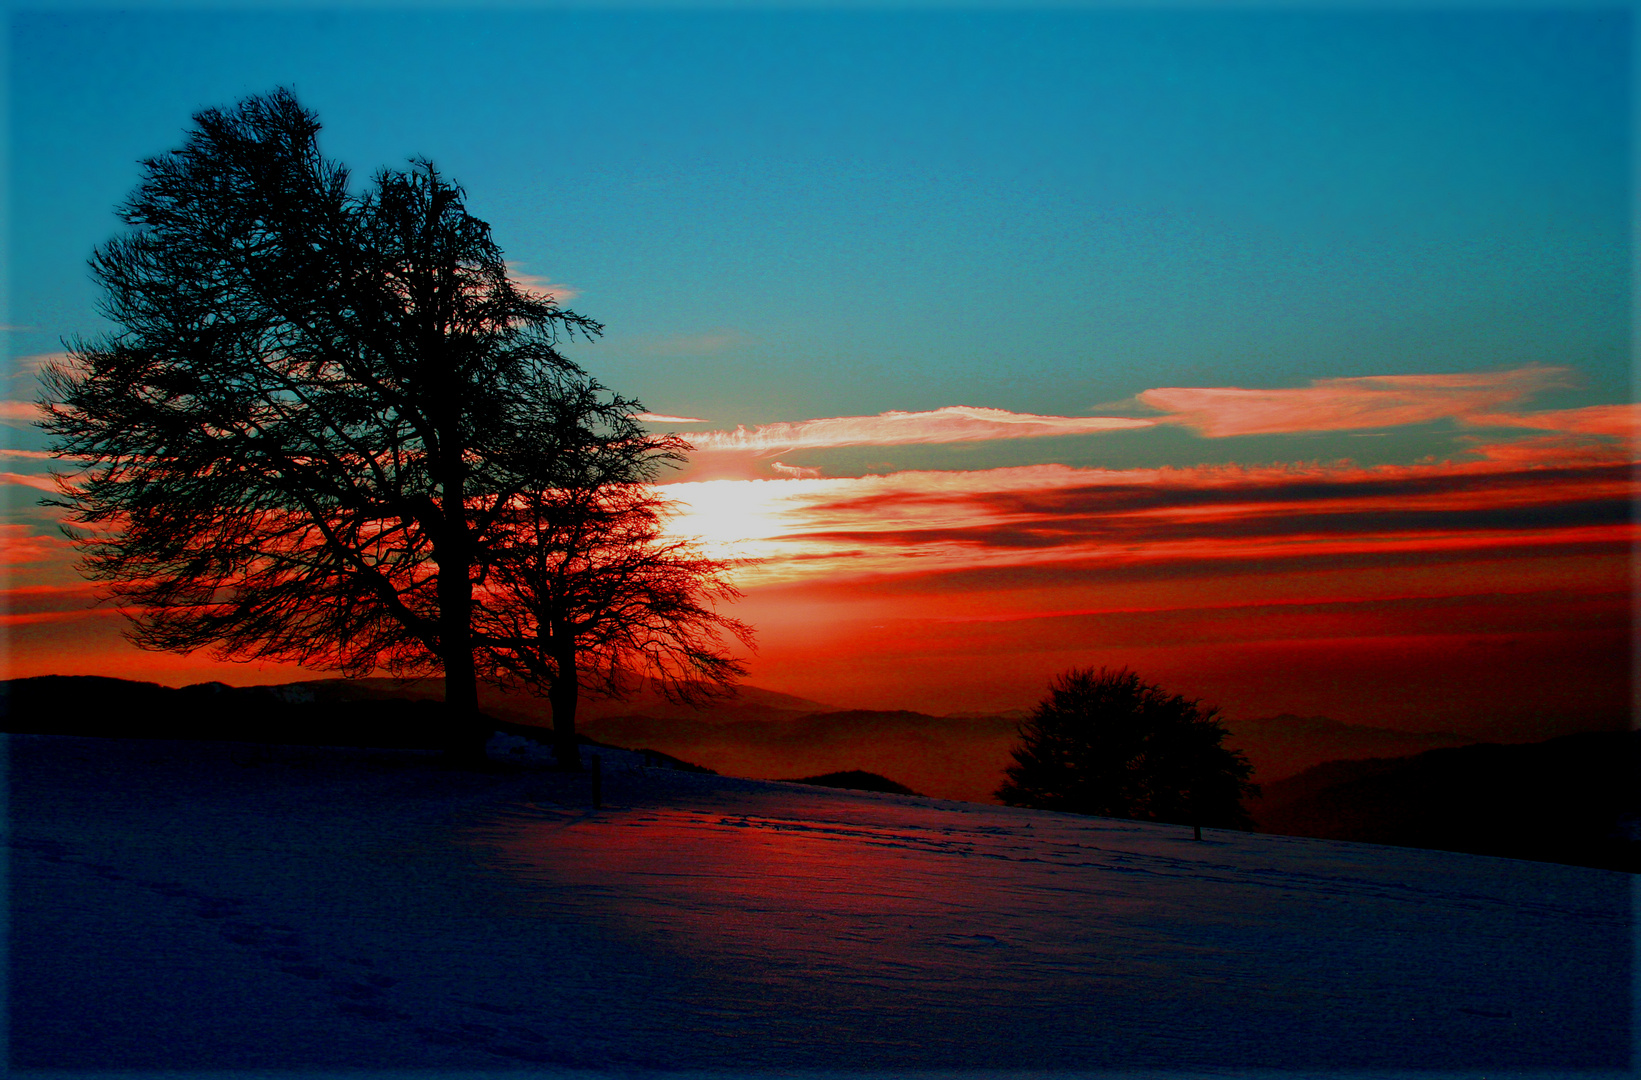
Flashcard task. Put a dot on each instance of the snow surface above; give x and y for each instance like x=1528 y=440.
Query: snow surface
x=228 y=906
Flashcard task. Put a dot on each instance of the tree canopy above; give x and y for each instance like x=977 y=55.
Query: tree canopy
x=1106 y=743
x=308 y=438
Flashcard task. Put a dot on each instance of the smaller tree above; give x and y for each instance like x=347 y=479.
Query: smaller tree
x=585 y=592
x=1106 y=743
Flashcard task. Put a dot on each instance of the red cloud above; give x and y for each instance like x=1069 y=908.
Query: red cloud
x=33 y=604
x=19 y=545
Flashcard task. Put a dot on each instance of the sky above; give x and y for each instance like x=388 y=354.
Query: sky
x=1283 y=355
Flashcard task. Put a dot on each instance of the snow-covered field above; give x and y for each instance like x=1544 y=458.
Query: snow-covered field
x=221 y=906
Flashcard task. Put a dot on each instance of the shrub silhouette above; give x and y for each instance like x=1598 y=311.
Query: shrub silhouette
x=1106 y=743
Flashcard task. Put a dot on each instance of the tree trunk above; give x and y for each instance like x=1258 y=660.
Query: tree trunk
x=461 y=704
x=563 y=697
x=461 y=685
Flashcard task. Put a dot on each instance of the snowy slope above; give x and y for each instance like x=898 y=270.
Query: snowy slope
x=197 y=905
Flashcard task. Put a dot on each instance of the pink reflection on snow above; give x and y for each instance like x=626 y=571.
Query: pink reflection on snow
x=896 y=929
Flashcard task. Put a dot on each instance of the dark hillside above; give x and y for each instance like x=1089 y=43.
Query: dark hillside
x=1282 y=746
x=118 y=708
x=1575 y=800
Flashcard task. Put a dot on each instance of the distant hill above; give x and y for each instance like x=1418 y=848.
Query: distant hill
x=748 y=703
x=1575 y=799
x=856 y=780
x=518 y=706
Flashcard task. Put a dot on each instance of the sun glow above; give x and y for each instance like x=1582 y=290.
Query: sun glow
x=732 y=519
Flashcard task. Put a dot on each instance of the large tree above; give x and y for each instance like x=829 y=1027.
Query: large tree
x=1107 y=743
x=586 y=591
x=286 y=444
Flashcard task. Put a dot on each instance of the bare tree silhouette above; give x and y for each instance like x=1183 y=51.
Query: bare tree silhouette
x=287 y=448
x=1106 y=743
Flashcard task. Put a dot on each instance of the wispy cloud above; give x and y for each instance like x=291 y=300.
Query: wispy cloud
x=28 y=455
x=29 y=365
x=956 y=423
x=541 y=288
x=660 y=418
x=1346 y=404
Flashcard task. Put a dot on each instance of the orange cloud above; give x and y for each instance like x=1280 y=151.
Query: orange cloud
x=19 y=412
x=1620 y=421
x=1347 y=404
x=37 y=481
x=955 y=423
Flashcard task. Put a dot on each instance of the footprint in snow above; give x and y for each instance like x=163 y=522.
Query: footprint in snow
x=973 y=941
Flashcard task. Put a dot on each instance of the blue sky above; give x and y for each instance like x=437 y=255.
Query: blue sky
x=783 y=215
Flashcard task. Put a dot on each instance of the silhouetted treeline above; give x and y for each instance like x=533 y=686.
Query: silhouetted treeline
x=1574 y=800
